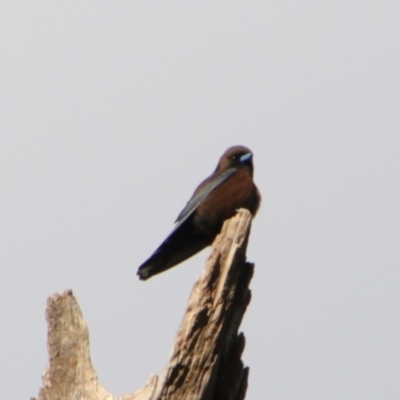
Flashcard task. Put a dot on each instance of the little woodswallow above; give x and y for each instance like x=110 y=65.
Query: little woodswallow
x=216 y=199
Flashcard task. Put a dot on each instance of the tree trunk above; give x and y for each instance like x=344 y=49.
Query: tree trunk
x=206 y=359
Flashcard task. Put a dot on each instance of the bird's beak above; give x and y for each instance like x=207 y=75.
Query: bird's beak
x=246 y=157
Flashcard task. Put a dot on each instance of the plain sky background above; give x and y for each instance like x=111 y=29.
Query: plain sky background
x=113 y=112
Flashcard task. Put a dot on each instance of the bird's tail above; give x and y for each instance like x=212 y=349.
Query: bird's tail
x=162 y=260
x=181 y=244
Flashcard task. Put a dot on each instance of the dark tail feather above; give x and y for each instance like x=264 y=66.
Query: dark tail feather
x=162 y=260
x=181 y=244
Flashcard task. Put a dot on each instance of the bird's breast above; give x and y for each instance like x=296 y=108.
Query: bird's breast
x=238 y=191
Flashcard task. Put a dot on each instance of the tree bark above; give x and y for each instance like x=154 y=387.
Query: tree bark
x=205 y=363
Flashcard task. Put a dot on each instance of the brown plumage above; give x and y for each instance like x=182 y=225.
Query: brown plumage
x=216 y=199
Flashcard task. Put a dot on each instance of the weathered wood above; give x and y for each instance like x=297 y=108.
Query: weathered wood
x=69 y=374
x=205 y=363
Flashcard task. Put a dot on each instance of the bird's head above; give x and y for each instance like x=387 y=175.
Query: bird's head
x=239 y=157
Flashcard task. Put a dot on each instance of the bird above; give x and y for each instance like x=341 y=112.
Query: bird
x=215 y=200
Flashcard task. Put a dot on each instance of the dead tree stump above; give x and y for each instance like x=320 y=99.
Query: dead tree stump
x=205 y=363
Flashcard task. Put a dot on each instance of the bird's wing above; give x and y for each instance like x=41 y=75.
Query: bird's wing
x=197 y=198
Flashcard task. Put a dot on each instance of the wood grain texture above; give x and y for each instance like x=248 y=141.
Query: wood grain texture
x=205 y=362
x=206 y=358
x=69 y=373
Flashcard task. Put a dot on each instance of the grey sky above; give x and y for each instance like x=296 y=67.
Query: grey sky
x=106 y=106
